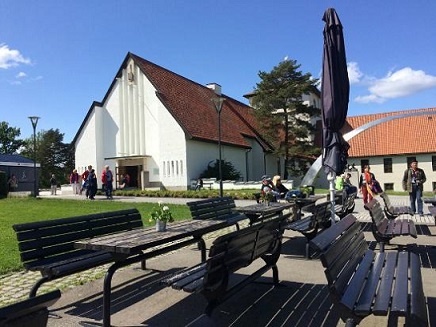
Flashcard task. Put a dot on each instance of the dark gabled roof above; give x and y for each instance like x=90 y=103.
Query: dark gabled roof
x=191 y=106
x=411 y=135
x=14 y=158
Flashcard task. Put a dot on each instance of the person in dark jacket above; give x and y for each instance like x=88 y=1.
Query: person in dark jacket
x=413 y=180
x=91 y=183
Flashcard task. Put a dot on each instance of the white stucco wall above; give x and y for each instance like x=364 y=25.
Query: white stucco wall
x=86 y=148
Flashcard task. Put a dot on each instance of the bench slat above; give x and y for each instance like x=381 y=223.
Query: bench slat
x=369 y=289
x=352 y=293
x=399 y=296
x=418 y=306
x=383 y=299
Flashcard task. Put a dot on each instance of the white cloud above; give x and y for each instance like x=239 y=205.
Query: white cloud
x=21 y=75
x=401 y=83
x=354 y=73
x=11 y=58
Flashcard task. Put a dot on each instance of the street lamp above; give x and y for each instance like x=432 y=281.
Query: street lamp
x=34 y=121
x=218 y=103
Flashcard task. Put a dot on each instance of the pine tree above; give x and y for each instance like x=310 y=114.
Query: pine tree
x=286 y=120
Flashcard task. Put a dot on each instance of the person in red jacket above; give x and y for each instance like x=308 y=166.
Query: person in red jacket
x=74 y=181
x=84 y=177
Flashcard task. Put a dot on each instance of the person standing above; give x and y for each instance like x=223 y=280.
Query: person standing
x=91 y=184
x=53 y=184
x=13 y=183
x=84 y=177
x=74 y=181
x=413 y=180
x=365 y=183
x=107 y=179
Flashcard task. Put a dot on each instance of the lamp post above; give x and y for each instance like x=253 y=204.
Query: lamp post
x=218 y=103
x=34 y=121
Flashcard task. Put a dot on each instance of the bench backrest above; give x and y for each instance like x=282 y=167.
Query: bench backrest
x=387 y=201
x=322 y=213
x=349 y=200
x=214 y=208
x=29 y=312
x=47 y=240
x=239 y=249
x=341 y=249
x=376 y=212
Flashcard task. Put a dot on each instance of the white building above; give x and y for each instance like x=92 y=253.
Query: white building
x=391 y=145
x=162 y=129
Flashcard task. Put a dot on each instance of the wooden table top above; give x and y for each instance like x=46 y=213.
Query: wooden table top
x=140 y=239
x=263 y=209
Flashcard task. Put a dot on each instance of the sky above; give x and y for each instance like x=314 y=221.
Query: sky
x=58 y=56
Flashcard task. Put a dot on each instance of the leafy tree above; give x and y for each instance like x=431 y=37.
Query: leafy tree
x=227 y=169
x=286 y=120
x=9 y=144
x=55 y=156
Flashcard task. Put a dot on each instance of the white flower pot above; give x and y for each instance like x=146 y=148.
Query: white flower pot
x=161 y=226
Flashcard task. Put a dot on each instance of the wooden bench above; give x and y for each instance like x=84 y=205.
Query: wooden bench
x=30 y=312
x=347 y=205
x=432 y=211
x=363 y=282
x=215 y=208
x=310 y=226
x=228 y=254
x=385 y=229
x=392 y=211
x=48 y=246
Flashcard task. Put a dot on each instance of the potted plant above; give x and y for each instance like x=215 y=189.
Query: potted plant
x=266 y=198
x=161 y=215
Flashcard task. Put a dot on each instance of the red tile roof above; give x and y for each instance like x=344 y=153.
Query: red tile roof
x=191 y=106
x=411 y=135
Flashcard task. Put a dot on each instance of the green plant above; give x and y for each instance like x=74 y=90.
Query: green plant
x=162 y=213
x=228 y=171
x=266 y=197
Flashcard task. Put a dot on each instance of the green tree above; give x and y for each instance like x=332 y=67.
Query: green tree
x=55 y=156
x=9 y=142
x=285 y=119
x=227 y=169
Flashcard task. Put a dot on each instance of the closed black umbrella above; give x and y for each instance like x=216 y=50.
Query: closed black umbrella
x=335 y=92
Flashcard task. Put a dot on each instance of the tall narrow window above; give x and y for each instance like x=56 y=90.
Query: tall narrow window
x=164 y=170
x=387 y=165
x=433 y=164
x=181 y=167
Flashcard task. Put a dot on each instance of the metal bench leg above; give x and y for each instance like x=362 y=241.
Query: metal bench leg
x=37 y=285
x=143 y=267
x=350 y=323
x=382 y=246
x=307 y=250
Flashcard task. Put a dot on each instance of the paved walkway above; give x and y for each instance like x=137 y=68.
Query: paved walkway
x=151 y=310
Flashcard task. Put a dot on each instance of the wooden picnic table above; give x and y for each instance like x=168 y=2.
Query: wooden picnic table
x=258 y=211
x=141 y=244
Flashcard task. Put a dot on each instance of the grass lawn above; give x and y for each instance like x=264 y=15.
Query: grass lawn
x=23 y=210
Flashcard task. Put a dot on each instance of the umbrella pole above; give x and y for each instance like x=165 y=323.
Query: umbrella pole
x=331 y=178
